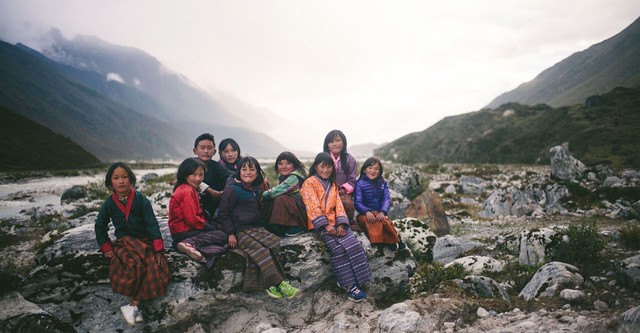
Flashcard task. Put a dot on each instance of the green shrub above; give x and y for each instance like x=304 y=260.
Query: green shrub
x=630 y=236
x=582 y=250
x=429 y=276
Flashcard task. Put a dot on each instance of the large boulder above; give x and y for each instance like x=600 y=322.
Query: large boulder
x=406 y=180
x=532 y=245
x=428 y=206
x=550 y=279
x=564 y=166
x=70 y=283
x=417 y=235
x=628 y=272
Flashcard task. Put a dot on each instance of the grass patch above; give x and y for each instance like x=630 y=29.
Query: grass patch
x=429 y=276
x=630 y=236
x=582 y=250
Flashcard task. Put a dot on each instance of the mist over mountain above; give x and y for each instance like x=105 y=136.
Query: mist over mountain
x=580 y=100
x=596 y=70
x=90 y=90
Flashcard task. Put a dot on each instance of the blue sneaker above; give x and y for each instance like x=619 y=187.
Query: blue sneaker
x=356 y=294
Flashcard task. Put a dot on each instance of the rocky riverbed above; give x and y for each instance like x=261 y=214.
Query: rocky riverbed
x=484 y=257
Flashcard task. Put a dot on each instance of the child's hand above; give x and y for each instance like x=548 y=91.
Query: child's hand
x=160 y=259
x=331 y=230
x=232 y=241
x=342 y=191
x=340 y=231
x=381 y=216
x=109 y=254
x=371 y=217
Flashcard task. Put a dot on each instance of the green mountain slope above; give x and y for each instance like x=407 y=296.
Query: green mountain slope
x=33 y=87
x=614 y=62
x=606 y=131
x=26 y=145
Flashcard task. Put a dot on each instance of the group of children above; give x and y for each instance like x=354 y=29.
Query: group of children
x=229 y=204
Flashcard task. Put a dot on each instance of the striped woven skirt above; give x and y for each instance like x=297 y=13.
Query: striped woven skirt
x=379 y=231
x=288 y=210
x=137 y=271
x=262 y=255
x=209 y=241
x=348 y=259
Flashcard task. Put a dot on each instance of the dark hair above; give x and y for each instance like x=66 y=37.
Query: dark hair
x=186 y=168
x=204 y=136
x=229 y=141
x=223 y=144
x=369 y=162
x=291 y=158
x=343 y=153
x=250 y=162
x=320 y=159
x=112 y=168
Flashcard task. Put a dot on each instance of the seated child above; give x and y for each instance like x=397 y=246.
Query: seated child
x=372 y=202
x=192 y=234
x=239 y=214
x=229 y=151
x=335 y=143
x=286 y=212
x=215 y=175
x=138 y=267
x=329 y=220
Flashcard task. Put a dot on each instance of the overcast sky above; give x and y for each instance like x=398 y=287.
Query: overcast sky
x=375 y=69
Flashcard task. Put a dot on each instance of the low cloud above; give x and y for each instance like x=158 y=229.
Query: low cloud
x=115 y=77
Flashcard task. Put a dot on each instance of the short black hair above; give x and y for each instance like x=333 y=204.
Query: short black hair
x=229 y=141
x=251 y=162
x=186 y=168
x=326 y=159
x=291 y=158
x=369 y=162
x=112 y=168
x=204 y=136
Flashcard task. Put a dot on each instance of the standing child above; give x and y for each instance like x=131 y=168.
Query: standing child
x=229 y=154
x=138 y=267
x=335 y=143
x=192 y=234
x=372 y=201
x=240 y=217
x=327 y=216
x=215 y=174
x=286 y=212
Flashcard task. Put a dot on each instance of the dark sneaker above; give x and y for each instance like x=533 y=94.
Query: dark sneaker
x=294 y=231
x=356 y=295
x=274 y=292
x=402 y=246
x=287 y=289
x=393 y=247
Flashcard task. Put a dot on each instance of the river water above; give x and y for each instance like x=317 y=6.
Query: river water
x=41 y=192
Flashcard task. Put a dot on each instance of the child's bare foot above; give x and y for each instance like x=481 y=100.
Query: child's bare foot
x=190 y=250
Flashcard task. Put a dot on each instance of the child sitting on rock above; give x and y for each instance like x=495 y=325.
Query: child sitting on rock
x=138 y=267
x=329 y=220
x=239 y=214
x=192 y=234
x=372 y=201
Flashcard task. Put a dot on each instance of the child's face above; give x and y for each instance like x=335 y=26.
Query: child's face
x=229 y=154
x=196 y=178
x=373 y=171
x=205 y=150
x=285 y=167
x=336 y=145
x=324 y=170
x=120 y=181
x=248 y=174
